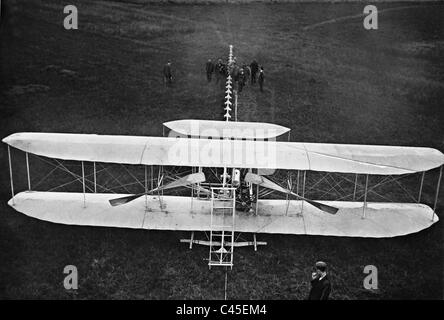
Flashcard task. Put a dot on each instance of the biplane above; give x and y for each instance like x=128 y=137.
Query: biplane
x=231 y=170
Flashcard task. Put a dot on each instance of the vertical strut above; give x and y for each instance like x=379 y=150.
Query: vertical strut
x=10 y=175
x=257 y=198
x=356 y=183
x=27 y=171
x=193 y=170
x=198 y=185
x=365 y=197
x=146 y=189
x=420 y=187
x=161 y=182
x=303 y=186
x=437 y=193
x=192 y=189
x=83 y=183
x=95 y=177
x=290 y=187
x=303 y=190
x=297 y=183
x=151 y=177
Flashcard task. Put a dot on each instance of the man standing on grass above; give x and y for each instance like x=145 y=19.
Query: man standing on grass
x=167 y=74
x=254 y=67
x=219 y=69
x=320 y=283
x=209 y=68
x=247 y=71
x=241 y=80
x=261 y=79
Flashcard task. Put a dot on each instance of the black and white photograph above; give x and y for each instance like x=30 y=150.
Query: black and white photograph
x=238 y=152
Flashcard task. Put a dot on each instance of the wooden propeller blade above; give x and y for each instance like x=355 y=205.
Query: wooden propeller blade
x=118 y=201
x=189 y=179
x=320 y=206
x=264 y=182
x=184 y=181
x=323 y=207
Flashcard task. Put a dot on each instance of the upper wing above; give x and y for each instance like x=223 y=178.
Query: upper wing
x=362 y=159
x=372 y=159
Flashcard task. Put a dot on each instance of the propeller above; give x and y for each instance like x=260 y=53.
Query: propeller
x=186 y=180
x=264 y=182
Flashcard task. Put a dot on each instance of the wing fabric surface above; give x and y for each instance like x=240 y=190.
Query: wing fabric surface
x=361 y=159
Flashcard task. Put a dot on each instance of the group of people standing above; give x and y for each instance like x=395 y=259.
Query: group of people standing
x=240 y=74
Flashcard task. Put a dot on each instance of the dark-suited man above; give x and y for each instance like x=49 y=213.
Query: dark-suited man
x=219 y=70
x=167 y=74
x=254 y=67
x=320 y=283
x=261 y=79
x=209 y=69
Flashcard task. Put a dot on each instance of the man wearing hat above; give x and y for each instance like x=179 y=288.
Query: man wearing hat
x=241 y=79
x=219 y=70
x=209 y=68
x=261 y=79
x=320 y=283
x=167 y=74
x=254 y=66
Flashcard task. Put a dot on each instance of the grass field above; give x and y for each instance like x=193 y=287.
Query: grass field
x=329 y=82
